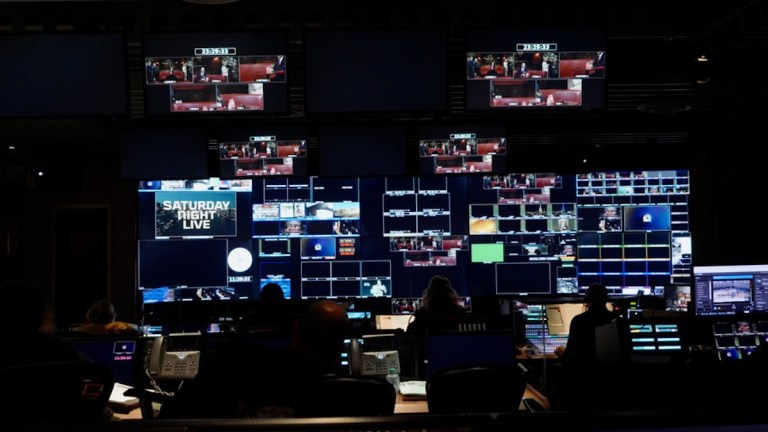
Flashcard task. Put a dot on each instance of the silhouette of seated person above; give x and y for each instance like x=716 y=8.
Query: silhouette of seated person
x=440 y=309
x=101 y=320
x=244 y=380
x=26 y=329
x=583 y=356
x=272 y=312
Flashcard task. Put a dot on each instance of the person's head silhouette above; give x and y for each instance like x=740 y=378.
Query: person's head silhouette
x=596 y=295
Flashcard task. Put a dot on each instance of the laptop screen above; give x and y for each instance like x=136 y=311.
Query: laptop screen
x=121 y=354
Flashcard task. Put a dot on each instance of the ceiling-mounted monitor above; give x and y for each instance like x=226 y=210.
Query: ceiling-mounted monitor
x=535 y=69
x=215 y=74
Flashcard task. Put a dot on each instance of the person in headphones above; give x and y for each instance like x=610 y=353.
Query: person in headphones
x=581 y=347
x=587 y=356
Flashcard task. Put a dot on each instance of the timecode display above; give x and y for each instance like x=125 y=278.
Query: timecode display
x=215 y=51
x=462 y=136
x=537 y=47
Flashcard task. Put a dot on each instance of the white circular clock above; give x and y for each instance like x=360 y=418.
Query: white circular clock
x=240 y=259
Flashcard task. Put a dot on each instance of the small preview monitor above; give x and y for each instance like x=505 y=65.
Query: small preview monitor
x=362 y=151
x=163 y=153
x=461 y=149
x=647 y=218
x=262 y=151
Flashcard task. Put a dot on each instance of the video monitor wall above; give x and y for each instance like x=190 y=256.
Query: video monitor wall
x=526 y=69
x=57 y=75
x=462 y=149
x=530 y=234
x=215 y=73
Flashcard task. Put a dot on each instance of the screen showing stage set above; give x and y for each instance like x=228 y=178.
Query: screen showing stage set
x=262 y=151
x=215 y=73
x=530 y=234
x=462 y=149
x=525 y=69
x=730 y=289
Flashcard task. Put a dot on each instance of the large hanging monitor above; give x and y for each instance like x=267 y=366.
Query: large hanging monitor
x=535 y=69
x=64 y=75
x=215 y=74
x=373 y=71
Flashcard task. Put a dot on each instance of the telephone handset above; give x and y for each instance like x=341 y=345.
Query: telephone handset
x=175 y=356
x=373 y=355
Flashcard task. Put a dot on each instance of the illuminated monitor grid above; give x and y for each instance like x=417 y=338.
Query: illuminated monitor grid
x=530 y=234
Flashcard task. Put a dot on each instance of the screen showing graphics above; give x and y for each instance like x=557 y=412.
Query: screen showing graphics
x=215 y=73
x=528 y=69
x=730 y=289
x=262 y=152
x=462 y=149
x=195 y=240
x=526 y=234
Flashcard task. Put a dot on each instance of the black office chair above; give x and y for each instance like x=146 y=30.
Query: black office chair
x=486 y=388
x=150 y=402
x=342 y=396
x=56 y=392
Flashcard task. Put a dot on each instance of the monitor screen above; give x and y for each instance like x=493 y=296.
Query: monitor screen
x=535 y=69
x=730 y=289
x=738 y=339
x=163 y=153
x=362 y=151
x=218 y=74
x=538 y=340
x=121 y=354
x=677 y=297
x=57 y=75
x=444 y=350
x=346 y=71
x=262 y=151
x=195 y=240
x=462 y=149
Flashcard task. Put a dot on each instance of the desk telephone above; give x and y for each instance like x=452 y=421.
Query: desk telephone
x=373 y=355
x=175 y=356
